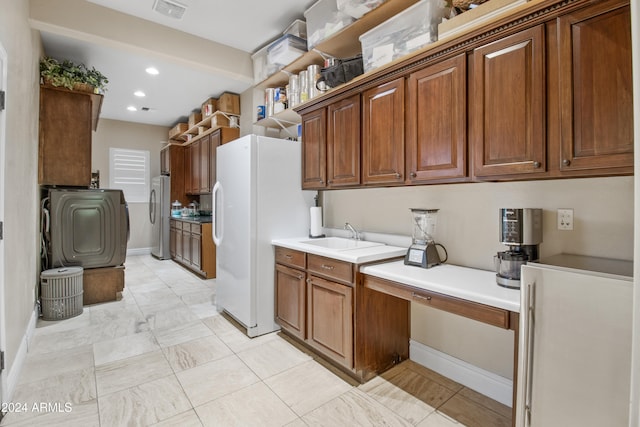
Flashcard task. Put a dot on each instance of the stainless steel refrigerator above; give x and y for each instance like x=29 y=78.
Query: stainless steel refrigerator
x=575 y=342
x=159 y=215
x=257 y=197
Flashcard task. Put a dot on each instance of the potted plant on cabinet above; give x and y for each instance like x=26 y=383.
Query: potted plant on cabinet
x=72 y=76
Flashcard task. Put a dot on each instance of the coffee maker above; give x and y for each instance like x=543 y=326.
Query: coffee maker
x=521 y=230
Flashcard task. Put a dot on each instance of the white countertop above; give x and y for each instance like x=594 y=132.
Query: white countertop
x=356 y=256
x=462 y=282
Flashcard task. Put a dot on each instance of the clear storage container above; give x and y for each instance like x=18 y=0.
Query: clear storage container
x=402 y=34
x=261 y=66
x=285 y=50
x=357 y=8
x=324 y=19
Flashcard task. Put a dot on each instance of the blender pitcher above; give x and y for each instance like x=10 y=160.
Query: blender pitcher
x=424 y=250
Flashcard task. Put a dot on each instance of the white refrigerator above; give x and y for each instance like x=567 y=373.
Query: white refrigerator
x=159 y=212
x=575 y=342
x=257 y=198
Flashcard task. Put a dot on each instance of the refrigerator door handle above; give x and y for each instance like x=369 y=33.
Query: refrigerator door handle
x=529 y=339
x=218 y=218
x=152 y=203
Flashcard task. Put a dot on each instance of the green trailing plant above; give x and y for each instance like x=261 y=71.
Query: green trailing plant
x=68 y=74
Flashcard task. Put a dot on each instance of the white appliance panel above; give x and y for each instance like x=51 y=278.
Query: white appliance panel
x=575 y=349
x=259 y=199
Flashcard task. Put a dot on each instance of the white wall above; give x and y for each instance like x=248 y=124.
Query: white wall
x=21 y=192
x=468 y=227
x=119 y=134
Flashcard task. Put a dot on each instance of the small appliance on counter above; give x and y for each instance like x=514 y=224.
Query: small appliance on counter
x=423 y=251
x=521 y=230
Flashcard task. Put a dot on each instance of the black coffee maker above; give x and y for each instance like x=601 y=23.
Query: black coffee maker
x=521 y=230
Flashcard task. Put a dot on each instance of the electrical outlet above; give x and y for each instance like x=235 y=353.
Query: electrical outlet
x=565 y=219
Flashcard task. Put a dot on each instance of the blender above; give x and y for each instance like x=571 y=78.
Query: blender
x=521 y=231
x=423 y=252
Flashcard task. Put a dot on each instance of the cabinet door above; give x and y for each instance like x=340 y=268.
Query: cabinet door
x=436 y=121
x=383 y=134
x=186 y=243
x=203 y=182
x=172 y=239
x=214 y=142
x=290 y=297
x=195 y=167
x=507 y=106
x=179 y=246
x=314 y=150
x=65 y=138
x=596 y=93
x=195 y=243
x=343 y=142
x=165 y=160
x=330 y=319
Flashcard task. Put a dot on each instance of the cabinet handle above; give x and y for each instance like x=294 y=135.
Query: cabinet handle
x=300 y=277
x=330 y=182
x=413 y=174
x=566 y=162
x=321 y=182
x=416 y=296
x=398 y=175
x=287 y=256
x=537 y=164
x=327 y=267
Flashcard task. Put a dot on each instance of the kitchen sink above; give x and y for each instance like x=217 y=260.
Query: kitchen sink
x=340 y=244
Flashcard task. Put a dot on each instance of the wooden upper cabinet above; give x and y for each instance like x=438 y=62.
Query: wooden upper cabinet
x=383 y=134
x=436 y=121
x=67 y=119
x=507 y=106
x=314 y=150
x=205 y=152
x=595 y=88
x=343 y=142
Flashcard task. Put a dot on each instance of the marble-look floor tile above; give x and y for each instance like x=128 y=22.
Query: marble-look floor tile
x=185 y=419
x=124 y=347
x=122 y=374
x=144 y=404
x=272 y=357
x=232 y=336
x=182 y=333
x=407 y=393
x=215 y=379
x=197 y=352
x=168 y=317
x=63 y=340
x=437 y=419
x=38 y=366
x=50 y=326
x=204 y=310
x=307 y=386
x=255 y=405
x=354 y=408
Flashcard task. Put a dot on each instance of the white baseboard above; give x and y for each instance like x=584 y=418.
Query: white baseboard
x=484 y=382
x=138 y=251
x=14 y=371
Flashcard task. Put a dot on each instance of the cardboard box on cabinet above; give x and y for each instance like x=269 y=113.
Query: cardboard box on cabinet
x=229 y=103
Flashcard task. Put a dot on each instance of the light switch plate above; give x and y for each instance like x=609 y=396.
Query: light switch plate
x=565 y=219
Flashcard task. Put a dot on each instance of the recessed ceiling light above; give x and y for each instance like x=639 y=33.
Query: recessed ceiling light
x=132 y=108
x=153 y=71
x=139 y=94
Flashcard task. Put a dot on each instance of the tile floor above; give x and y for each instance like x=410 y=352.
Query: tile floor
x=163 y=356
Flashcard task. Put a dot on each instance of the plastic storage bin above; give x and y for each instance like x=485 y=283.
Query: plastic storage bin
x=357 y=8
x=261 y=66
x=324 y=19
x=61 y=293
x=402 y=34
x=285 y=50
x=297 y=28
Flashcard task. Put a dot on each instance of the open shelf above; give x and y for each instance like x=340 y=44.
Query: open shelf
x=192 y=134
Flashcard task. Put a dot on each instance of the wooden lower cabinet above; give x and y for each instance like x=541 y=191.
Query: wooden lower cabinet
x=192 y=246
x=330 y=319
x=319 y=301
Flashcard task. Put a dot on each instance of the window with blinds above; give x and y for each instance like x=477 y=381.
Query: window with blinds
x=129 y=172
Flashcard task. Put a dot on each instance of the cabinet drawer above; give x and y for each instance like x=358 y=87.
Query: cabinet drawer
x=339 y=270
x=473 y=310
x=196 y=228
x=178 y=224
x=290 y=257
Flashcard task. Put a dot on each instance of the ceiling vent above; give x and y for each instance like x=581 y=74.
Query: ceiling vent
x=169 y=8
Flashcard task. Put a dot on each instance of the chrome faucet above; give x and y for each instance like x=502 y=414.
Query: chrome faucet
x=354 y=233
